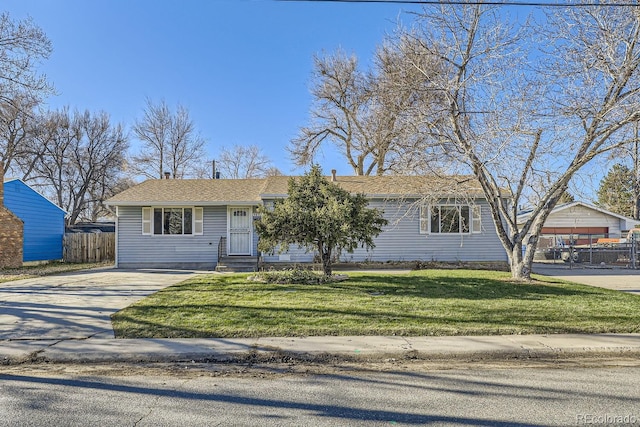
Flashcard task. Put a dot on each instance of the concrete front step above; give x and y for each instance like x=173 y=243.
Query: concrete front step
x=233 y=264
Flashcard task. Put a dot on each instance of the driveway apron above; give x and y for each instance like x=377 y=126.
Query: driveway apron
x=619 y=279
x=75 y=305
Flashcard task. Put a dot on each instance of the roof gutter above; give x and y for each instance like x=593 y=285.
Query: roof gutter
x=177 y=204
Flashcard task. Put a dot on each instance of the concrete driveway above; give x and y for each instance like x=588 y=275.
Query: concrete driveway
x=75 y=305
x=616 y=278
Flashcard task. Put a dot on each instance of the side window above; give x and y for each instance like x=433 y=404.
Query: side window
x=172 y=221
x=187 y=221
x=446 y=219
x=465 y=219
x=449 y=219
x=157 y=221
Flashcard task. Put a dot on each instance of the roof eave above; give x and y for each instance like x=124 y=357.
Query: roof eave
x=185 y=203
x=386 y=195
x=8 y=180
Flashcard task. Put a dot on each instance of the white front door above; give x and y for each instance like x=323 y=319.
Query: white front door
x=240 y=231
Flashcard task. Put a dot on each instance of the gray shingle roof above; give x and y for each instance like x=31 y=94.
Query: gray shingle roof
x=390 y=185
x=252 y=191
x=190 y=191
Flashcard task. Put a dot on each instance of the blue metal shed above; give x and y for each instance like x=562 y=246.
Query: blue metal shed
x=43 y=221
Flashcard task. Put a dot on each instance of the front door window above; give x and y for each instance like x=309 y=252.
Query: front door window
x=240 y=232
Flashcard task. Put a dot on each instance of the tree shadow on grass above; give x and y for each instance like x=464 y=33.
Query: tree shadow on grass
x=412 y=285
x=251 y=321
x=469 y=288
x=412 y=304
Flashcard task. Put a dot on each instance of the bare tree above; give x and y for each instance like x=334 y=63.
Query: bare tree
x=22 y=46
x=525 y=111
x=103 y=188
x=82 y=160
x=17 y=152
x=369 y=116
x=170 y=142
x=241 y=161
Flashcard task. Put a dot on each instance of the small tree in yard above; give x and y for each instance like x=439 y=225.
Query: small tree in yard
x=321 y=216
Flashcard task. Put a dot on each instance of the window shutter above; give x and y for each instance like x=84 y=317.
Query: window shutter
x=424 y=219
x=146 y=221
x=476 y=212
x=198 y=221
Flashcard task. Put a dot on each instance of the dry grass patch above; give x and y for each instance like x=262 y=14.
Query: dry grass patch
x=47 y=269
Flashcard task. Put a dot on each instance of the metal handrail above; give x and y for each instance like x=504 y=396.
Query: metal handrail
x=222 y=247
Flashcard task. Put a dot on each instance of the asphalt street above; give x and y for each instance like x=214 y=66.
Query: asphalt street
x=455 y=397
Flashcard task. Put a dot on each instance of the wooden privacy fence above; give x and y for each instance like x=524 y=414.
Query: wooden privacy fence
x=89 y=247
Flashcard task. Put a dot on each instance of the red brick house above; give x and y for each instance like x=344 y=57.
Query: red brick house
x=11 y=233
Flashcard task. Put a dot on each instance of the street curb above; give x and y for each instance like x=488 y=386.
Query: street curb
x=265 y=356
x=321 y=349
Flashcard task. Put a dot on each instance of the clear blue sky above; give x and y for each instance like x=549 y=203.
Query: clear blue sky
x=241 y=67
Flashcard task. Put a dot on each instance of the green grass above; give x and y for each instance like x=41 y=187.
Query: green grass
x=429 y=302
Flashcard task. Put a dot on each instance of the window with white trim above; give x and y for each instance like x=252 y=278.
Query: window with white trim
x=166 y=221
x=450 y=219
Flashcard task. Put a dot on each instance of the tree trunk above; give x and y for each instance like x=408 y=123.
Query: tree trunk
x=521 y=259
x=326 y=266
x=325 y=256
x=516 y=263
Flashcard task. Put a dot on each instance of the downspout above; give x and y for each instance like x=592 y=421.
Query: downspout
x=116 y=242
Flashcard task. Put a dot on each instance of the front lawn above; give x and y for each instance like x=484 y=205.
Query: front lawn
x=428 y=302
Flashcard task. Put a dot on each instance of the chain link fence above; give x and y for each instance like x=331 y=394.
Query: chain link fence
x=589 y=249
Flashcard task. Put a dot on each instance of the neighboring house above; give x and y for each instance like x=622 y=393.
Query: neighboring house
x=192 y=223
x=43 y=221
x=582 y=223
x=11 y=233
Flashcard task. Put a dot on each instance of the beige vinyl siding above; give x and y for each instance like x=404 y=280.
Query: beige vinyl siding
x=581 y=216
x=136 y=250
